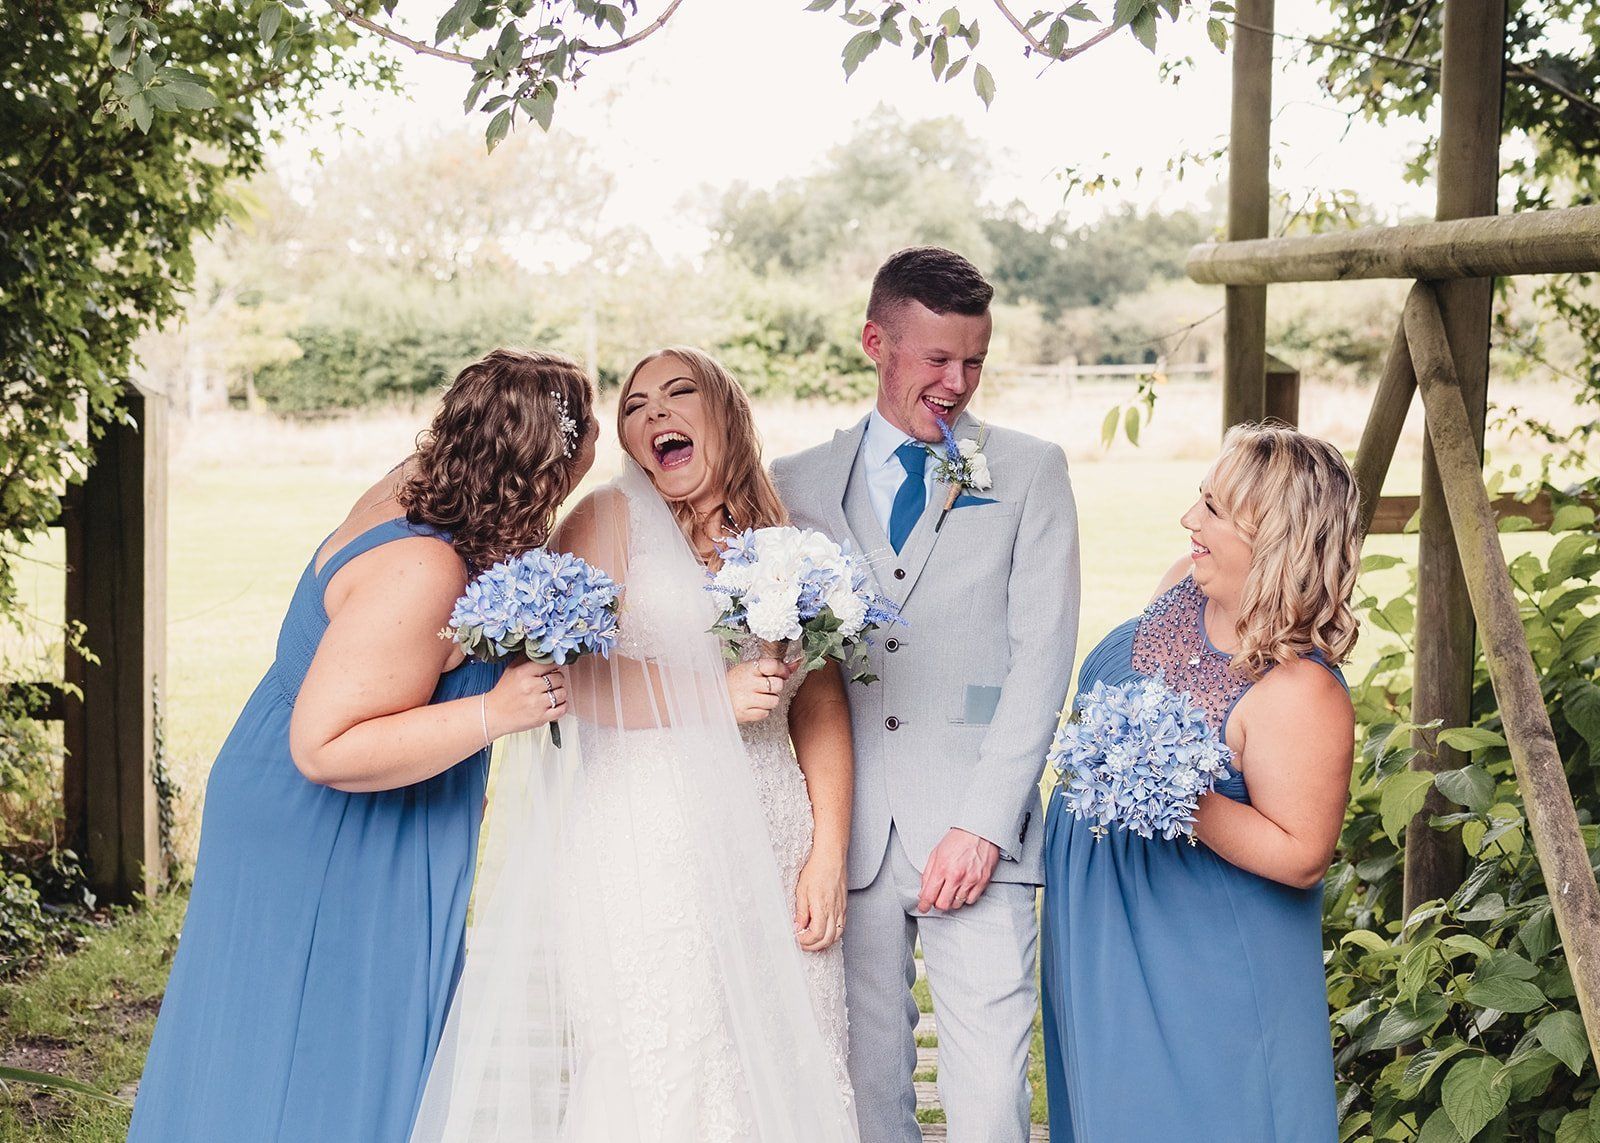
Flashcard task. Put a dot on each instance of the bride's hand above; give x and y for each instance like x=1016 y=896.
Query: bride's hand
x=819 y=904
x=754 y=688
x=528 y=695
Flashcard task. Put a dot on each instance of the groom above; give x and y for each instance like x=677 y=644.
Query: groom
x=946 y=843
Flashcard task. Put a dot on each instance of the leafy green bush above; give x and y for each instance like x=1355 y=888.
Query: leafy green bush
x=1460 y=1023
x=346 y=367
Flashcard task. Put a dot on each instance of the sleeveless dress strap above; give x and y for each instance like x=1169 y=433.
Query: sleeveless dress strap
x=398 y=528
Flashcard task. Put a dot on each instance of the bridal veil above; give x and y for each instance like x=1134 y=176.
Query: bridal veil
x=631 y=972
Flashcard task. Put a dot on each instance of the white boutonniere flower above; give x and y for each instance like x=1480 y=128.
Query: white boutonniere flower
x=961 y=465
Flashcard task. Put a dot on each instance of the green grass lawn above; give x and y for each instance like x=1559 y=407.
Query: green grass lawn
x=88 y=1016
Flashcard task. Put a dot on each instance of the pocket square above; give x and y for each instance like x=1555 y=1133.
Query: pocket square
x=967 y=500
x=980 y=705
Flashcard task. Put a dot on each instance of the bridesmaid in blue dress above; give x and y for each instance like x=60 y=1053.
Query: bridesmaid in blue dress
x=1183 y=985
x=325 y=927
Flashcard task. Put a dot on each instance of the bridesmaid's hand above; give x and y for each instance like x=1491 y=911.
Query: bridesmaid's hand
x=819 y=904
x=528 y=695
x=754 y=688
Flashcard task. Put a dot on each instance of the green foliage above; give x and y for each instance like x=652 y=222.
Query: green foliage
x=1460 y=1024
x=1058 y=266
x=1382 y=61
x=344 y=367
x=892 y=184
x=119 y=139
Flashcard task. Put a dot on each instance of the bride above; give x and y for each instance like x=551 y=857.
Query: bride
x=654 y=955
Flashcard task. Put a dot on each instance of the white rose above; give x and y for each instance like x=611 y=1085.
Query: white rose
x=772 y=613
x=737 y=578
x=968 y=448
x=820 y=550
x=849 y=608
x=978 y=467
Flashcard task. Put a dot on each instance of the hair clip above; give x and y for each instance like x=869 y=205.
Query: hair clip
x=565 y=424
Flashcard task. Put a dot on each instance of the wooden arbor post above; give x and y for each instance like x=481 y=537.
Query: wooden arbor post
x=1244 y=338
x=1472 y=83
x=1552 y=818
x=116 y=587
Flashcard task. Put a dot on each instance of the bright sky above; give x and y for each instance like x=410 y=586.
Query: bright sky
x=753 y=90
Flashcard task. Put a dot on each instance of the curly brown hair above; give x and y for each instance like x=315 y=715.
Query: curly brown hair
x=497 y=462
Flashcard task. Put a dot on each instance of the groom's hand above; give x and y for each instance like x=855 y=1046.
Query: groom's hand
x=957 y=872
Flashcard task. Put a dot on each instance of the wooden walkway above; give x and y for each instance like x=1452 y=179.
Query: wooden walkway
x=927 y=1073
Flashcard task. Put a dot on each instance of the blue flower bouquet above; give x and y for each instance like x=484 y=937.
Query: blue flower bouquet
x=1138 y=756
x=785 y=585
x=550 y=607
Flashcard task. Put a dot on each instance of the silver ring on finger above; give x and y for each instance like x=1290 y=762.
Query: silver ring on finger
x=552 y=697
x=549 y=687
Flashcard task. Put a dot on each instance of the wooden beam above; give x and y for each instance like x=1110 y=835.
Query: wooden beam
x=1283 y=392
x=1552 y=820
x=1385 y=421
x=1395 y=512
x=1531 y=242
x=116 y=551
x=1472 y=83
x=1244 y=336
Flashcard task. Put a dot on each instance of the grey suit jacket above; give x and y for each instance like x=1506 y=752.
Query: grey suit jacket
x=956 y=730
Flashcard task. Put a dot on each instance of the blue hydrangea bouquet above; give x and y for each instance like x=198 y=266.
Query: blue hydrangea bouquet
x=550 y=607
x=1138 y=756
x=795 y=588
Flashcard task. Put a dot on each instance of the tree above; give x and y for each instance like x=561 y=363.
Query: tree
x=99 y=219
x=1381 y=60
x=1060 y=266
x=520 y=54
x=892 y=184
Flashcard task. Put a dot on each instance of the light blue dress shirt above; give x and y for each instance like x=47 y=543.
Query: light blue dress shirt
x=883 y=469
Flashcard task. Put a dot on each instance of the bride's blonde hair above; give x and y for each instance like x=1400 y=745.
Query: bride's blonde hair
x=748 y=493
x=1293 y=498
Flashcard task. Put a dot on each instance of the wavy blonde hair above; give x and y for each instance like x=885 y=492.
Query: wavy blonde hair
x=748 y=494
x=1293 y=498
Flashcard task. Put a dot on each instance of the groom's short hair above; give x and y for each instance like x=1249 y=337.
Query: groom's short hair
x=940 y=279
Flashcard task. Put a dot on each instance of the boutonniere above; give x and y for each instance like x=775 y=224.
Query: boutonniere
x=960 y=464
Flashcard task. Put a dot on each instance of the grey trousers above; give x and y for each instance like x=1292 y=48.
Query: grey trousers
x=980 y=962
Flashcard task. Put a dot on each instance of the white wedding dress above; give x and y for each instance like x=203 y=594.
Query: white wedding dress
x=786 y=804
x=632 y=974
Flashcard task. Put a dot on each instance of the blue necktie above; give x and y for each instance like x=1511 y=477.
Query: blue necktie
x=913 y=494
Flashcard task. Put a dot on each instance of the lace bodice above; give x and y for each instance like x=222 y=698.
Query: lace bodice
x=1171 y=638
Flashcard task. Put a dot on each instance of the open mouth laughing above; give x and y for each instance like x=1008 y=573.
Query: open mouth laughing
x=940 y=407
x=672 y=449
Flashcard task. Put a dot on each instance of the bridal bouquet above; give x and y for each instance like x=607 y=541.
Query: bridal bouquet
x=550 y=607
x=1138 y=756
x=794 y=585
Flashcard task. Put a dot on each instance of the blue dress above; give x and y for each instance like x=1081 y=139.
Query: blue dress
x=324 y=931
x=1183 y=997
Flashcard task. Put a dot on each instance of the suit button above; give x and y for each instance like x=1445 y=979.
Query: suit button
x=899 y=573
x=892 y=645
x=891 y=723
